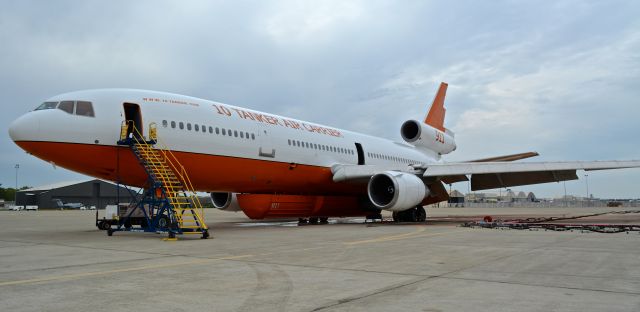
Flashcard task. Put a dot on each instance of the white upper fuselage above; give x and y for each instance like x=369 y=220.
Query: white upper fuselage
x=270 y=137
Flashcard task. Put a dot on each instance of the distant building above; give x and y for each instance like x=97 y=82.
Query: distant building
x=455 y=197
x=532 y=197
x=95 y=192
x=509 y=196
x=482 y=197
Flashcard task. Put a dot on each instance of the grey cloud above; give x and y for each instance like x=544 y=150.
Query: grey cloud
x=558 y=77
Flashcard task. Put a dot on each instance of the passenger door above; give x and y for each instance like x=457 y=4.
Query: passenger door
x=266 y=147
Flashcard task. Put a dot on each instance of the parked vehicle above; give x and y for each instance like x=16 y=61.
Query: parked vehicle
x=25 y=207
x=114 y=213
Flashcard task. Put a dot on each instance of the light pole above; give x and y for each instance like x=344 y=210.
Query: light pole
x=586 y=179
x=15 y=194
x=566 y=201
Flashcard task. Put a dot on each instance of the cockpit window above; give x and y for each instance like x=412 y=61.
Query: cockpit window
x=66 y=106
x=47 y=105
x=84 y=108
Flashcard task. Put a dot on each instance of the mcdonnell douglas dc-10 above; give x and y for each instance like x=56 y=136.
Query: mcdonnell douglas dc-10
x=271 y=166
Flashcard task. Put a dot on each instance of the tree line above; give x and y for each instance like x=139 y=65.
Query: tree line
x=9 y=194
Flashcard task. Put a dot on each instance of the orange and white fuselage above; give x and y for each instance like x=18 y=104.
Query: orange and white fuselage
x=223 y=147
x=272 y=166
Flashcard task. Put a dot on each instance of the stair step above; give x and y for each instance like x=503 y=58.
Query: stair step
x=185 y=206
x=162 y=173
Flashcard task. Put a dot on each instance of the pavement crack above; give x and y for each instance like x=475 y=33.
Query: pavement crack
x=543 y=285
x=372 y=293
x=443 y=275
x=329 y=268
x=84 y=265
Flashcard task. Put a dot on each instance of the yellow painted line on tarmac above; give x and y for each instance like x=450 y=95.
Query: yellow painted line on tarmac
x=123 y=270
x=291 y=250
x=415 y=234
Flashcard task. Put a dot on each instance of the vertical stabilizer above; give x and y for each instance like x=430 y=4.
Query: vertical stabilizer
x=435 y=116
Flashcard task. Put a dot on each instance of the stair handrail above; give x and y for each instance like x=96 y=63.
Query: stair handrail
x=181 y=172
x=165 y=180
x=136 y=137
x=173 y=162
x=178 y=169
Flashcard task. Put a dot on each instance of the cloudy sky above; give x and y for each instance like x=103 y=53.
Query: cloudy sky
x=558 y=77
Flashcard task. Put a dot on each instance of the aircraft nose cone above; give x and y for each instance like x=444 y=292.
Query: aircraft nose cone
x=25 y=128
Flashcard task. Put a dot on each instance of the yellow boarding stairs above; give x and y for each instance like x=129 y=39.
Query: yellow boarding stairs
x=169 y=184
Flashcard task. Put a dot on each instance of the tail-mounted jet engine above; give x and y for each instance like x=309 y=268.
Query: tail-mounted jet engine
x=396 y=191
x=423 y=135
x=225 y=201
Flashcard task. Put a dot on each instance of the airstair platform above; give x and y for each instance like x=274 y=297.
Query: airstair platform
x=168 y=203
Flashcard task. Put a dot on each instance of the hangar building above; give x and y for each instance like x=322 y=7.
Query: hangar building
x=94 y=192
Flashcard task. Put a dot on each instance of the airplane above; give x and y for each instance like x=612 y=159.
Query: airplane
x=62 y=205
x=270 y=166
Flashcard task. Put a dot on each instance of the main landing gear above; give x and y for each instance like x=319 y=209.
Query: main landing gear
x=313 y=220
x=417 y=214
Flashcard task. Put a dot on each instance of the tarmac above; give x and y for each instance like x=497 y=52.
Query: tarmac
x=59 y=261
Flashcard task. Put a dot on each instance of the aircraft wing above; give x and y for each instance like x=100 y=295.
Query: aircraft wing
x=512 y=157
x=358 y=172
x=489 y=175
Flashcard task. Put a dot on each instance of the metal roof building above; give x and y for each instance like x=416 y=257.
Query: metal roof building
x=94 y=192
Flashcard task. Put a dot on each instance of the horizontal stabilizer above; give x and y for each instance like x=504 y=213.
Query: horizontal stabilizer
x=512 y=157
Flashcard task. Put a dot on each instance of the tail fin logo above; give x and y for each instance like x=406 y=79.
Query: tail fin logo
x=435 y=116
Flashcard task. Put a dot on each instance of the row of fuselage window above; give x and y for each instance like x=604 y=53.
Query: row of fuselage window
x=347 y=151
x=391 y=158
x=246 y=135
x=320 y=147
x=202 y=128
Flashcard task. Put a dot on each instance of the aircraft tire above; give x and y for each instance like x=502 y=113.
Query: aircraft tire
x=409 y=215
x=421 y=214
x=163 y=222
